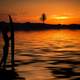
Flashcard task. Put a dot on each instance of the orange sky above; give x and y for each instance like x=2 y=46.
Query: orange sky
x=31 y=10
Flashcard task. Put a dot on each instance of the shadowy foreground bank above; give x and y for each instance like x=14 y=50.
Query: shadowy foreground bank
x=9 y=75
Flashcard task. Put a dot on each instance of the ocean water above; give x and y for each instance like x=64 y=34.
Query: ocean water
x=47 y=54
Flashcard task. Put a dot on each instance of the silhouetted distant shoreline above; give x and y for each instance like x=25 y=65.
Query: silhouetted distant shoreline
x=39 y=26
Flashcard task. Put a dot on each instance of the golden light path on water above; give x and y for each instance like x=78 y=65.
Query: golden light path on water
x=56 y=38
x=39 y=55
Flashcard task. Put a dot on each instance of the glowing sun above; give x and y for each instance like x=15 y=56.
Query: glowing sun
x=61 y=17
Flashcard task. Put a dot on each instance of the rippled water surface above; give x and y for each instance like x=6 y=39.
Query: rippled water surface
x=47 y=54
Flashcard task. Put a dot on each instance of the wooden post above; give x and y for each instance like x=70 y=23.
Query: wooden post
x=12 y=40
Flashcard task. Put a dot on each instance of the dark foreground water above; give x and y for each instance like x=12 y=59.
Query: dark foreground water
x=47 y=55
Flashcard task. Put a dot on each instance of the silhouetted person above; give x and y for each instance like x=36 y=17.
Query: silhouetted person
x=5 y=47
x=12 y=41
x=6 y=39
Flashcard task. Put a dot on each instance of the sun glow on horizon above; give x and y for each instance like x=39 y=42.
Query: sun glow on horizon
x=60 y=17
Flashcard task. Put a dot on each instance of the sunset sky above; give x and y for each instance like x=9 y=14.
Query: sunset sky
x=57 y=11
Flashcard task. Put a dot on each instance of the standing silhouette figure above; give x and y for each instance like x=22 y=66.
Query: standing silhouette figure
x=12 y=41
x=6 y=40
x=5 y=47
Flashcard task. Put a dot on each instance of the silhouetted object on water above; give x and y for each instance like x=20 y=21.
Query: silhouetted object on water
x=12 y=41
x=6 y=46
x=43 y=17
